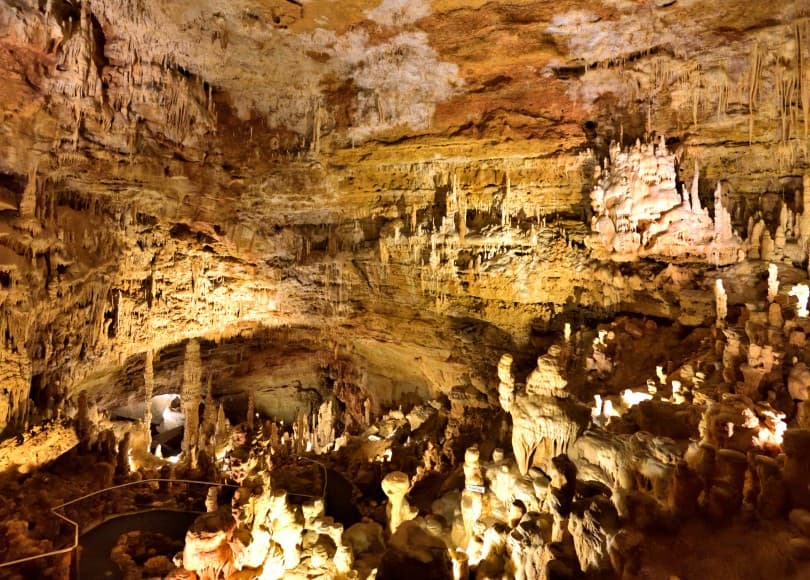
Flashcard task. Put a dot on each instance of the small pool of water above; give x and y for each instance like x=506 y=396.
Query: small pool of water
x=94 y=561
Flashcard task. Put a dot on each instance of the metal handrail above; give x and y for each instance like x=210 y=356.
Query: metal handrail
x=97 y=524
x=75 y=524
x=325 y=475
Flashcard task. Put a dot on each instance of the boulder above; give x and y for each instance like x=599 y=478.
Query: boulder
x=414 y=553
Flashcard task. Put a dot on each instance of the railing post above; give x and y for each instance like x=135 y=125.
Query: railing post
x=74 y=564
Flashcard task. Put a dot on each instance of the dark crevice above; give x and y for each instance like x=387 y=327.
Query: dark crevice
x=578 y=69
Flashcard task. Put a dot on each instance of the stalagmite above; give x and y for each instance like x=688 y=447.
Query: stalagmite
x=122 y=466
x=801 y=292
x=209 y=421
x=720 y=301
x=350 y=216
x=773 y=282
x=767 y=247
x=506 y=387
x=251 y=410
x=211 y=501
x=472 y=495
x=191 y=395
x=804 y=219
x=546 y=421
x=396 y=485
x=149 y=388
x=324 y=427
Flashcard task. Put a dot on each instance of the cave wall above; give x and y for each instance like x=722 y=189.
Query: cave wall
x=178 y=170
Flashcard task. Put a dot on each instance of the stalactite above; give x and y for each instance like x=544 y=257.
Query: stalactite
x=695 y=200
x=696 y=86
x=251 y=409
x=28 y=203
x=785 y=88
x=462 y=217
x=505 y=207
x=753 y=89
x=802 y=71
x=317 y=114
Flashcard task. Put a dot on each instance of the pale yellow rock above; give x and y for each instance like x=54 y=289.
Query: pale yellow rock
x=396 y=485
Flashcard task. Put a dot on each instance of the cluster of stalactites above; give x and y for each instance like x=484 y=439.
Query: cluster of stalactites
x=638 y=211
x=545 y=419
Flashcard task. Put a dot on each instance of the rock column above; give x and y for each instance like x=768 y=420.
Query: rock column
x=149 y=388
x=472 y=496
x=191 y=395
x=395 y=485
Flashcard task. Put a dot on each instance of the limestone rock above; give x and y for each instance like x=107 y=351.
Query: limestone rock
x=546 y=420
x=799 y=548
x=396 y=485
x=799 y=381
x=796 y=471
x=364 y=537
x=207 y=550
x=800 y=518
x=414 y=553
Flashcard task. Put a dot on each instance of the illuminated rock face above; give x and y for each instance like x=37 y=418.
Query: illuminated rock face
x=182 y=183
x=192 y=395
x=546 y=421
x=396 y=485
x=208 y=551
x=639 y=211
x=341 y=219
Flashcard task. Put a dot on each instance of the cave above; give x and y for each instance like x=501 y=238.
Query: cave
x=404 y=289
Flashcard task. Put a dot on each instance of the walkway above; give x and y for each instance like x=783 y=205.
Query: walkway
x=95 y=545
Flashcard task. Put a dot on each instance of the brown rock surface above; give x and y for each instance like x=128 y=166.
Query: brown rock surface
x=369 y=202
x=180 y=182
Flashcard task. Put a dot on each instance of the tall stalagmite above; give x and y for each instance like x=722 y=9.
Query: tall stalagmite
x=192 y=396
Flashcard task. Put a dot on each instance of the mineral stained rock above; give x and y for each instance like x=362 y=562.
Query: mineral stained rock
x=408 y=287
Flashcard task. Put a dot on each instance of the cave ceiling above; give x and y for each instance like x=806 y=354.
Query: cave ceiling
x=186 y=168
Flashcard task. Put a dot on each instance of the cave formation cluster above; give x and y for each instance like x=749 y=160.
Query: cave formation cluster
x=405 y=289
